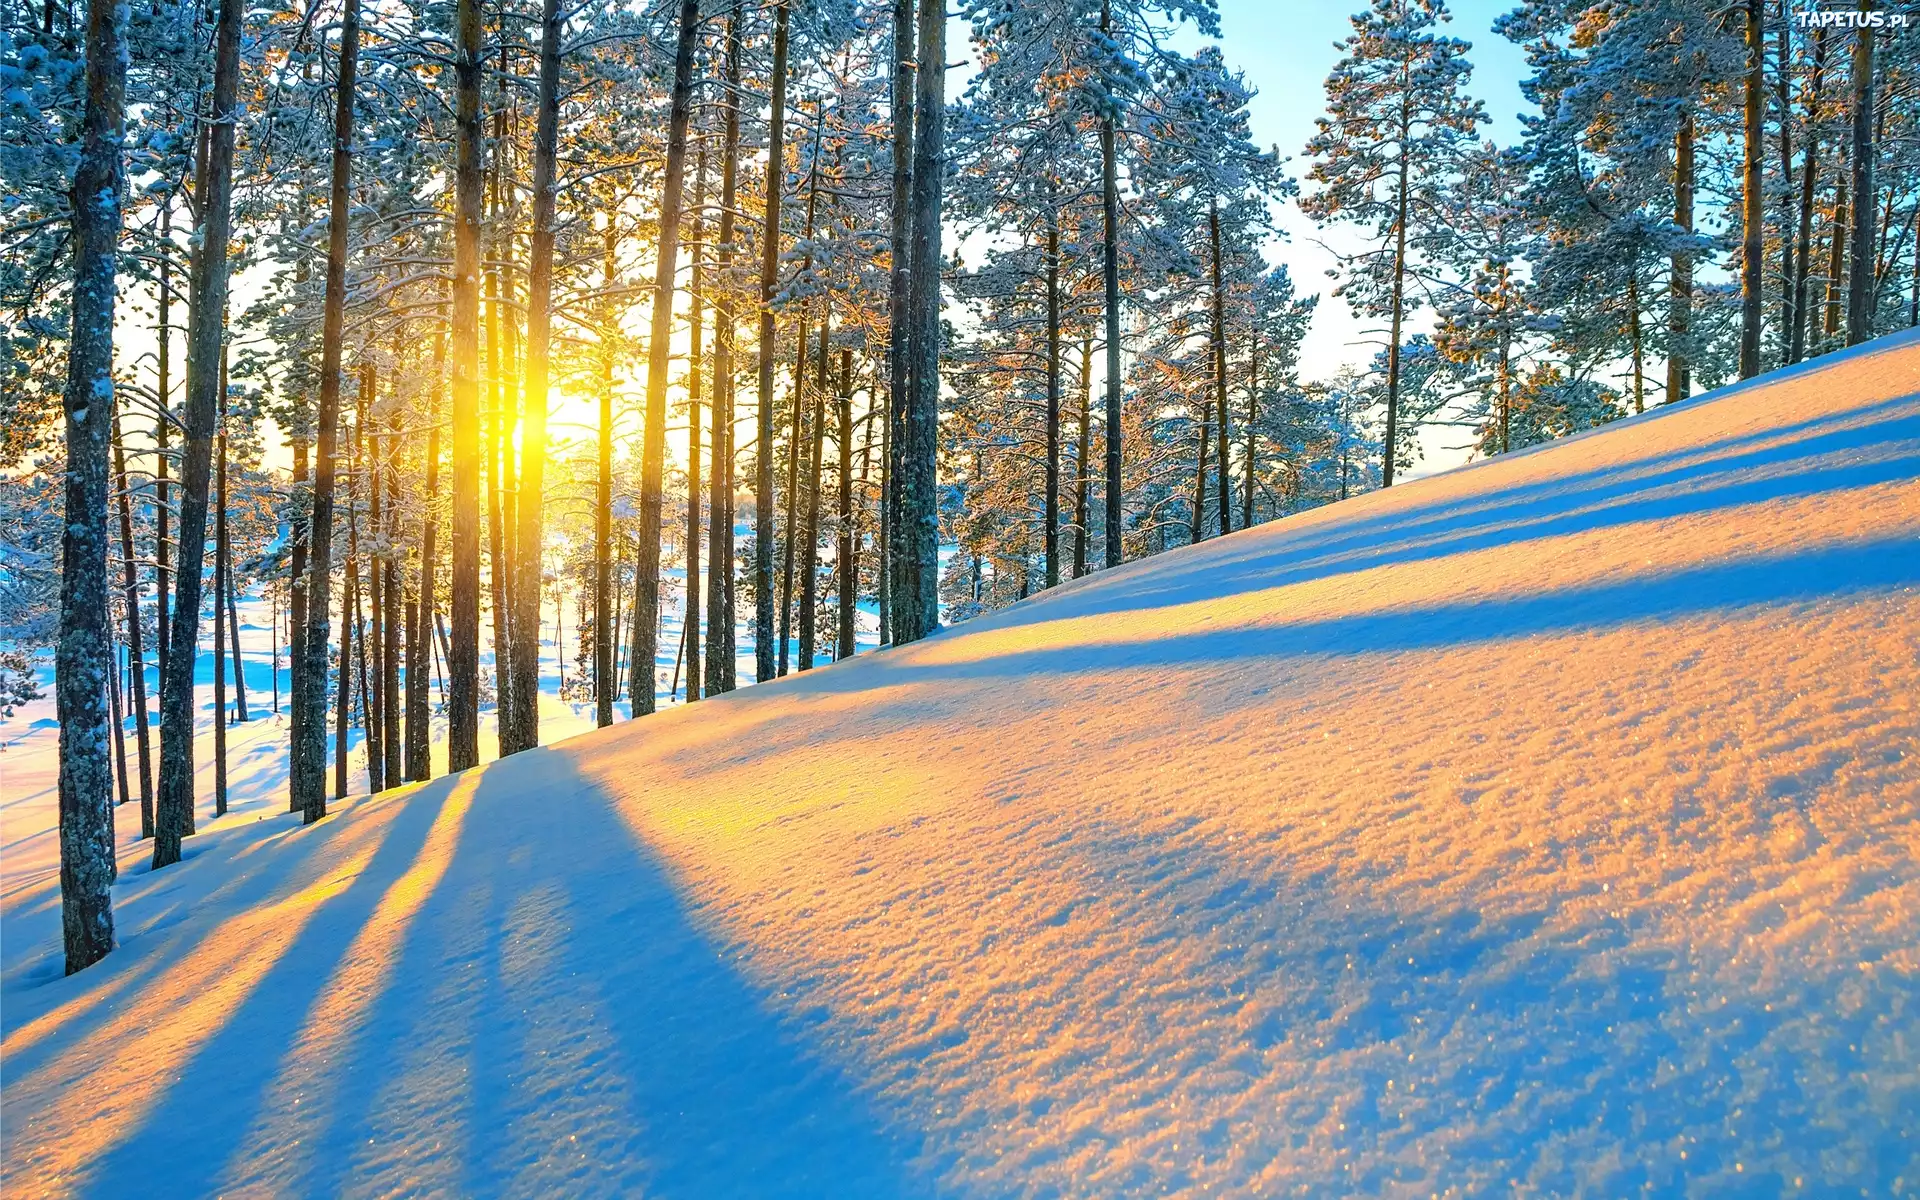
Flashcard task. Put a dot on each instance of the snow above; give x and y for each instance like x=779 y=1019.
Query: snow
x=1546 y=825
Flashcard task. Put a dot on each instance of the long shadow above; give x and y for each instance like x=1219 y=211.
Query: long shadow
x=553 y=1021
x=1880 y=566
x=210 y=1100
x=1539 y=511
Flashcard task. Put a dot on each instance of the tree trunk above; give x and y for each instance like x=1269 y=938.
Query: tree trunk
x=419 y=764
x=691 y=605
x=1051 y=541
x=1083 y=461
x=1253 y=416
x=174 y=818
x=130 y=592
x=1809 y=174
x=720 y=607
x=1837 y=250
x=798 y=405
x=763 y=500
x=364 y=453
x=846 y=557
x=463 y=660
x=1751 y=197
x=343 y=720
x=219 y=622
x=1392 y=451
x=162 y=441
x=84 y=656
x=604 y=635
x=1783 y=96
x=646 y=588
x=1860 y=286
x=1220 y=371
x=391 y=590
x=1110 y=279
x=899 y=323
x=1680 y=286
x=816 y=413
x=916 y=604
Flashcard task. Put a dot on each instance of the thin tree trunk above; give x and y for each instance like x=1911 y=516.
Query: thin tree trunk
x=343 y=720
x=1197 y=522
x=391 y=589
x=1050 y=538
x=1083 y=460
x=1783 y=96
x=763 y=500
x=162 y=441
x=817 y=417
x=604 y=634
x=1392 y=451
x=463 y=661
x=1680 y=286
x=846 y=557
x=1636 y=334
x=1860 y=287
x=219 y=622
x=798 y=406
x=308 y=779
x=365 y=453
x=1110 y=278
x=301 y=507
x=1253 y=416
x=117 y=722
x=720 y=597
x=1837 y=250
x=646 y=589
x=130 y=591
x=174 y=818
x=84 y=656
x=691 y=607
x=1751 y=199
x=419 y=764
x=1809 y=174
x=1220 y=370
x=916 y=605
x=899 y=323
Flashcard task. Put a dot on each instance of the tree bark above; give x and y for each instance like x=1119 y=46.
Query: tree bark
x=391 y=589
x=1051 y=541
x=130 y=592
x=1110 y=280
x=916 y=606
x=646 y=589
x=463 y=659
x=720 y=594
x=365 y=453
x=1838 y=236
x=1809 y=174
x=219 y=621
x=1392 y=451
x=797 y=405
x=696 y=321
x=810 y=589
x=419 y=764
x=605 y=637
x=1083 y=461
x=763 y=500
x=174 y=818
x=1680 y=285
x=1751 y=198
x=84 y=657
x=1860 y=286
x=1220 y=371
x=846 y=555
x=899 y=293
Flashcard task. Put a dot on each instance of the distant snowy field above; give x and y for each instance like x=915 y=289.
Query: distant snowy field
x=1550 y=825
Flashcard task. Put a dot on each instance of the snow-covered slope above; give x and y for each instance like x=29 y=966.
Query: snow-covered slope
x=1549 y=825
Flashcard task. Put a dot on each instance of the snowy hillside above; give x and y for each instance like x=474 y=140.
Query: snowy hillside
x=1550 y=825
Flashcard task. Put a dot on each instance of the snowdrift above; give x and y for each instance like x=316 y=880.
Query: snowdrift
x=1550 y=825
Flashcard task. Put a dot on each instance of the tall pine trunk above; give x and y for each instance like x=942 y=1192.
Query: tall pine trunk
x=419 y=763
x=695 y=365
x=1860 y=286
x=130 y=592
x=174 y=816
x=391 y=589
x=219 y=620
x=646 y=590
x=846 y=559
x=1398 y=303
x=817 y=414
x=1751 y=222
x=916 y=610
x=1110 y=282
x=463 y=644
x=84 y=657
x=604 y=636
x=720 y=595
x=1220 y=369
x=763 y=500
x=1052 y=513
x=899 y=324
x=1680 y=284
x=1083 y=461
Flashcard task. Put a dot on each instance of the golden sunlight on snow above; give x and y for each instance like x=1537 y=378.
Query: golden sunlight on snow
x=1548 y=825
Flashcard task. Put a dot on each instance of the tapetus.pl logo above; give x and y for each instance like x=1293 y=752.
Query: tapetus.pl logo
x=1852 y=18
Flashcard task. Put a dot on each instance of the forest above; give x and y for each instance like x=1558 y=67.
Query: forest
x=417 y=321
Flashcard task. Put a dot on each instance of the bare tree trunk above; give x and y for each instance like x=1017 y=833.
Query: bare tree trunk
x=1680 y=286
x=1837 y=251
x=605 y=636
x=419 y=764
x=365 y=452
x=174 y=818
x=817 y=418
x=916 y=605
x=500 y=570
x=1809 y=175
x=846 y=558
x=1083 y=460
x=308 y=780
x=1110 y=278
x=1051 y=517
x=899 y=323
x=130 y=591
x=84 y=657
x=798 y=406
x=463 y=659
x=691 y=607
x=1252 y=446
x=1751 y=220
x=1392 y=452
x=390 y=593
x=1220 y=371
x=1860 y=287
x=646 y=589
x=219 y=621
x=720 y=596
x=162 y=441
x=763 y=500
